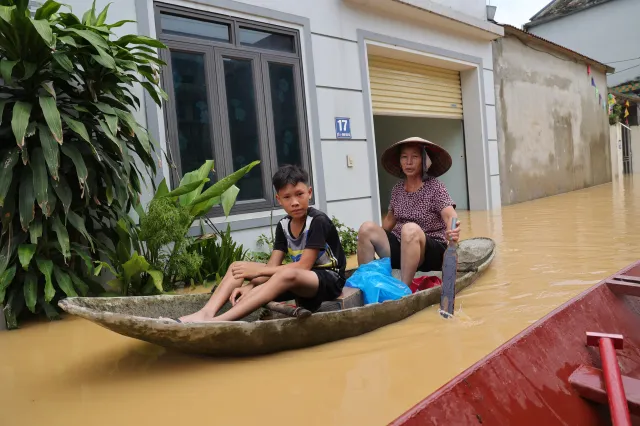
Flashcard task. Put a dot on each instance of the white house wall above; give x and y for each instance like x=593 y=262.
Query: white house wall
x=327 y=52
x=334 y=67
x=342 y=182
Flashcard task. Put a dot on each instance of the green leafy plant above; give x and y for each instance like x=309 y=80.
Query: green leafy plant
x=164 y=230
x=616 y=115
x=133 y=275
x=162 y=234
x=70 y=148
x=218 y=252
x=348 y=237
x=260 y=257
x=266 y=242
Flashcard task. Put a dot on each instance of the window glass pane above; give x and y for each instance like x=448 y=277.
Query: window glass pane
x=192 y=110
x=177 y=25
x=243 y=125
x=266 y=40
x=285 y=114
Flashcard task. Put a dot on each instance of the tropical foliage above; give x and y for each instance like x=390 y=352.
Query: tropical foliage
x=348 y=237
x=152 y=257
x=217 y=251
x=265 y=244
x=616 y=115
x=71 y=150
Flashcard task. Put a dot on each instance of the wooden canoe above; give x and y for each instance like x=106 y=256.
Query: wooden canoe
x=138 y=317
x=550 y=374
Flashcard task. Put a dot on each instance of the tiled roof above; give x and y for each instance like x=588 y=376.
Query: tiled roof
x=559 y=8
x=629 y=86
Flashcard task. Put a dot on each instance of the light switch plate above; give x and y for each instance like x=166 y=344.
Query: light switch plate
x=349 y=161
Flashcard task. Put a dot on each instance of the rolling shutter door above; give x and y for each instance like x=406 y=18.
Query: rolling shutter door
x=412 y=89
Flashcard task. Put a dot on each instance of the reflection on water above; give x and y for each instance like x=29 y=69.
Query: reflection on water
x=73 y=372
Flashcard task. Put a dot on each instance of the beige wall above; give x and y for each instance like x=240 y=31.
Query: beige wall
x=553 y=137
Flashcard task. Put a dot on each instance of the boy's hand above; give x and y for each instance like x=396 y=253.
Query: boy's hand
x=247 y=271
x=454 y=235
x=240 y=292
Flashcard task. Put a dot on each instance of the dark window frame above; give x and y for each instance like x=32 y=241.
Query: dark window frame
x=215 y=52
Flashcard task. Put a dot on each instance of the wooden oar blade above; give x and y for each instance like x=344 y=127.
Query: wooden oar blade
x=449 y=275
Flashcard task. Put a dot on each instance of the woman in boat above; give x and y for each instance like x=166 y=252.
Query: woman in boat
x=415 y=231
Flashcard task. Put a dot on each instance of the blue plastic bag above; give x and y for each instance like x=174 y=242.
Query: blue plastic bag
x=377 y=284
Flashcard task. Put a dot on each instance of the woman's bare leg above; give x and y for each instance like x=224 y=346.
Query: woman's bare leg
x=412 y=244
x=372 y=240
x=218 y=298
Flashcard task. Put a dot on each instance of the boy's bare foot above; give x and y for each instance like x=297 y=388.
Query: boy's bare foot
x=200 y=316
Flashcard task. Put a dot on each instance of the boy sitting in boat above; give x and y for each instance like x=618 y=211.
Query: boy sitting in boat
x=308 y=235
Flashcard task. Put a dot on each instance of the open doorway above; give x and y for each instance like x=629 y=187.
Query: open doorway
x=425 y=100
x=448 y=133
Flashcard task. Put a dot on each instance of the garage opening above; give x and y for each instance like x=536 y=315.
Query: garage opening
x=414 y=99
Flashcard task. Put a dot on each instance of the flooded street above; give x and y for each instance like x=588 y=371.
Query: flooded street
x=74 y=373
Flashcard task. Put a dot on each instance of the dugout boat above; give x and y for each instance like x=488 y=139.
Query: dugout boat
x=347 y=316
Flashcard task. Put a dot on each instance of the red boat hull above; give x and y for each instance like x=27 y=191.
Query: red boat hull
x=526 y=380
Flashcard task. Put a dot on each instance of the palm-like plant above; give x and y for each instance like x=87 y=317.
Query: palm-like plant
x=71 y=152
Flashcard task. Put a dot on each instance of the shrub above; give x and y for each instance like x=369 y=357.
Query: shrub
x=218 y=252
x=162 y=240
x=348 y=237
x=69 y=148
x=164 y=230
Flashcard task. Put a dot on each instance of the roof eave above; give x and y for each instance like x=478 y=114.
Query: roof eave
x=433 y=13
x=544 y=9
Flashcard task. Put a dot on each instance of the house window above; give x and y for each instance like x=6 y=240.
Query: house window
x=235 y=96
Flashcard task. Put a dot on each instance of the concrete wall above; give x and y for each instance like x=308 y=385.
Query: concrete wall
x=335 y=83
x=606 y=33
x=446 y=133
x=553 y=137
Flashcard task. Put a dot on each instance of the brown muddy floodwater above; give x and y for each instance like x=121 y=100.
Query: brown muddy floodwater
x=74 y=373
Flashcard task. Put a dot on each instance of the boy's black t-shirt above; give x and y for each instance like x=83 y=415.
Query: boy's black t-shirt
x=318 y=233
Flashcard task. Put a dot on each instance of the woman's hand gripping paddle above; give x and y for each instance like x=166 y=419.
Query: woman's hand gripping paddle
x=449 y=275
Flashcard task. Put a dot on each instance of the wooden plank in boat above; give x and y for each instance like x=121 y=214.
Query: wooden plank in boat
x=350 y=298
x=589 y=383
x=622 y=288
x=628 y=278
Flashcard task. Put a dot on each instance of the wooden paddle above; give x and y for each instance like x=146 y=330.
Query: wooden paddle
x=449 y=275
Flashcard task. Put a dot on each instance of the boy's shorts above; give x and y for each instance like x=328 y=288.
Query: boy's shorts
x=330 y=285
